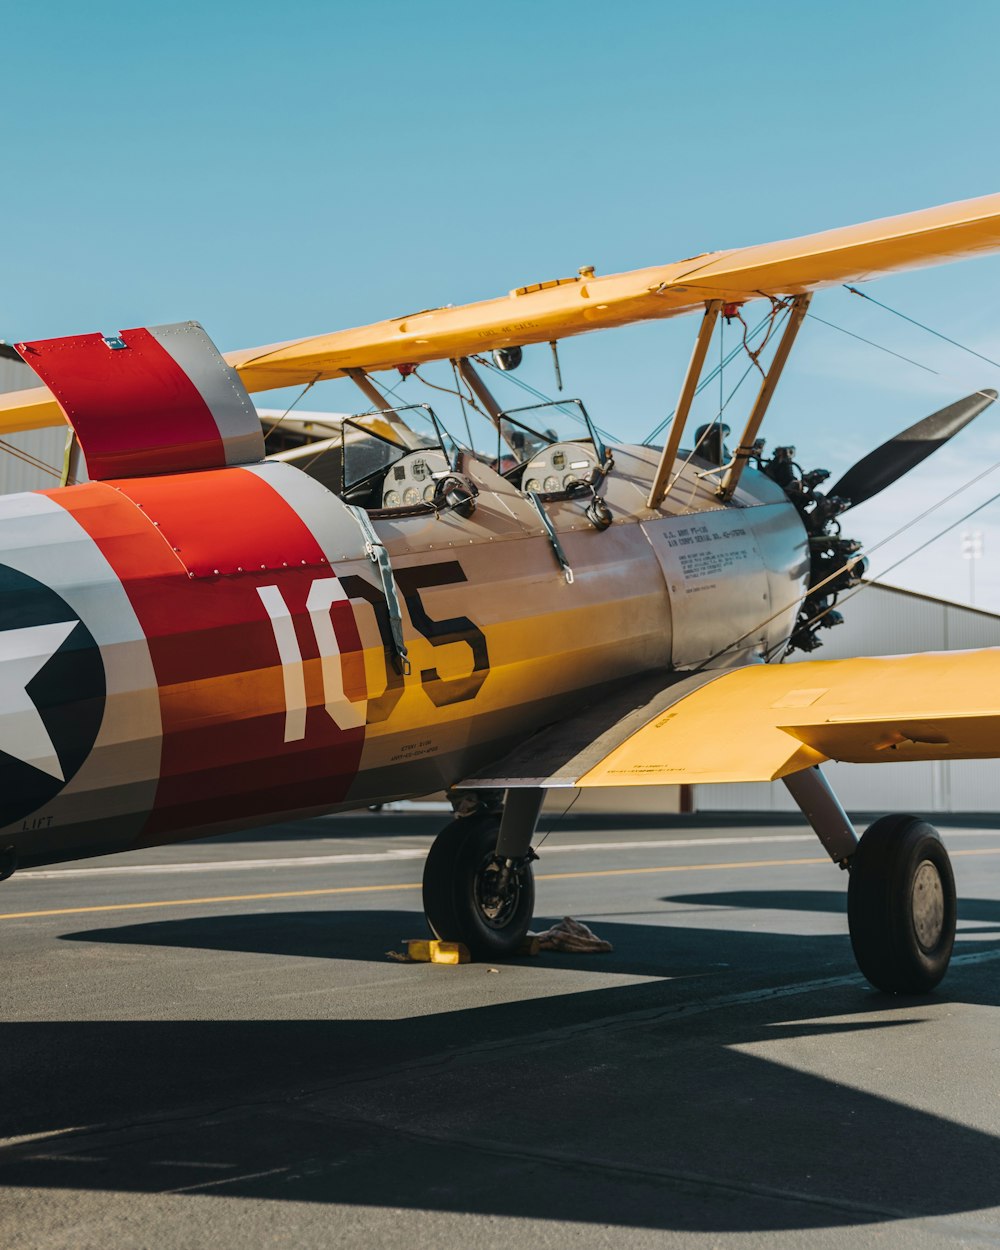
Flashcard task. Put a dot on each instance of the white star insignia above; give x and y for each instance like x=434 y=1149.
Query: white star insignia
x=23 y=654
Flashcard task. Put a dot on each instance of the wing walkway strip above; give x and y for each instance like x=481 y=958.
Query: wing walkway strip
x=415 y=885
x=405 y=853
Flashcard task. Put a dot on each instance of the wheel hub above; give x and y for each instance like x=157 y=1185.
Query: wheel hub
x=497 y=891
x=927 y=905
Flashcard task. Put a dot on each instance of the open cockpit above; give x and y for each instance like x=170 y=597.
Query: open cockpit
x=404 y=461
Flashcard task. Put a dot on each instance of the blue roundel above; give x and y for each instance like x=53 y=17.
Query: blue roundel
x=52 y=694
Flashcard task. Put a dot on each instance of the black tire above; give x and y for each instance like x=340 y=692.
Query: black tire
x=458 y=875
x=901 y=905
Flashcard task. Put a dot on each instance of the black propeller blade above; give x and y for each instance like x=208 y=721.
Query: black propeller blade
x=886 y=464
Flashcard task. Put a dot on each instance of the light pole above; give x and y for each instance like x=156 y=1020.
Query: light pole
x=972 y=550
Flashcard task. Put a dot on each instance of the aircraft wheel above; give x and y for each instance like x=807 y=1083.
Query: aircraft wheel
x=469 y=896
x=901 y=905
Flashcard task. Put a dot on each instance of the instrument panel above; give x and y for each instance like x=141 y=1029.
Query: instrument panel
x=554 y=469
x=410 y=480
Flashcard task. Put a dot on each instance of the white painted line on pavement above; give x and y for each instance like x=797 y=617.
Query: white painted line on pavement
x=376 y=857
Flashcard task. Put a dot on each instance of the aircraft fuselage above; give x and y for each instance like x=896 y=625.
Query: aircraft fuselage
x=196 y=652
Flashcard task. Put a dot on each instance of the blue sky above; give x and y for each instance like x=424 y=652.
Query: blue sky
x=293 y=169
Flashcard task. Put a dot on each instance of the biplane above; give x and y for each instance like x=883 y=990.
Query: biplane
x=198 y=636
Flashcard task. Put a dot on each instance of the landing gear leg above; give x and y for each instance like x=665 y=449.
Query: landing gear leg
x=901 y=906
x=478 y=885
x=821 y=807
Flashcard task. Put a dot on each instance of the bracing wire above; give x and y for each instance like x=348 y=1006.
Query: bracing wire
x=461 y=400
x=871 y=343
x=850 y=563
x=706 y=381
x=562 y=816
x=853 y=560
x=920 y=325
x=294 y=404
x=31 y=460
x=874 y=581
x=446 y=390
x=564 y=406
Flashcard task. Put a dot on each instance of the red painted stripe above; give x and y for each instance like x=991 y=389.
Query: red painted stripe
x=213 y=647
x=218 y=523
x=134 y=411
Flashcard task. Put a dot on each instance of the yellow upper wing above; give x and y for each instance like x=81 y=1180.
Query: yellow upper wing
x=563 y=307
x=766 y=721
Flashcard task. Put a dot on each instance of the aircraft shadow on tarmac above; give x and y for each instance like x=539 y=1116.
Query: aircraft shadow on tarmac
x=627 y=1105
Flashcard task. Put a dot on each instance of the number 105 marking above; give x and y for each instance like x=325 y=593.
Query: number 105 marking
x=323 y=595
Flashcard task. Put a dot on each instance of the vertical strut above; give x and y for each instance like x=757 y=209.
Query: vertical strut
x=479 y=388
x=381 y=405
x=690 y=385
x=800 y=305
x=370 y=391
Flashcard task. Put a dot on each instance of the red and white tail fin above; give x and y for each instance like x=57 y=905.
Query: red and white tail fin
x=149 y=401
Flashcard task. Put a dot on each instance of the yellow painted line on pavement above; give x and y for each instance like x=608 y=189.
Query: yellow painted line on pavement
x=415 y=885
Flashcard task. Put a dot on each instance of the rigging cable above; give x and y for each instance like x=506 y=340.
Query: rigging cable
x=31 y=460
x=562 y=816
x=849 y=564
x=895 y=534
x=715 y=421
x=563 y=405
x=874 y=581
x=706 y=381
x=853 y=560
x=777 y=306
x=295 y=402
x=915 y=520
x=461 y=400
x=920 y=325
x=448 y=391
x=871 y=343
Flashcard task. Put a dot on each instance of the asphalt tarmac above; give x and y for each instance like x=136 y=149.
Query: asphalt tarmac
x=208 y=1045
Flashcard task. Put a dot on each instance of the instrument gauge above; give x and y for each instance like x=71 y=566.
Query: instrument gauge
x=419 y=470
x=429 y=493
x=411 y=495
x=552 y=484
x=392 y=499
x=533 y=484
x=559 y=460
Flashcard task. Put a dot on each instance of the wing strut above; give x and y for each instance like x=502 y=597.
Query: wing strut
x=367 y=388
x=800 y=305
x=380 y=405
x=690 y=385
x=479 y=389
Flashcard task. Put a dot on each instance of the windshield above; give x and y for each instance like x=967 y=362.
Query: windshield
x=525 y=432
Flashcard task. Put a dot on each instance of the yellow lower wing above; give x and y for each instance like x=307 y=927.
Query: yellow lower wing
x=764 y=722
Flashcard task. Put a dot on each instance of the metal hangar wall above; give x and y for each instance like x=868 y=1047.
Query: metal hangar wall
x=31 y=460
